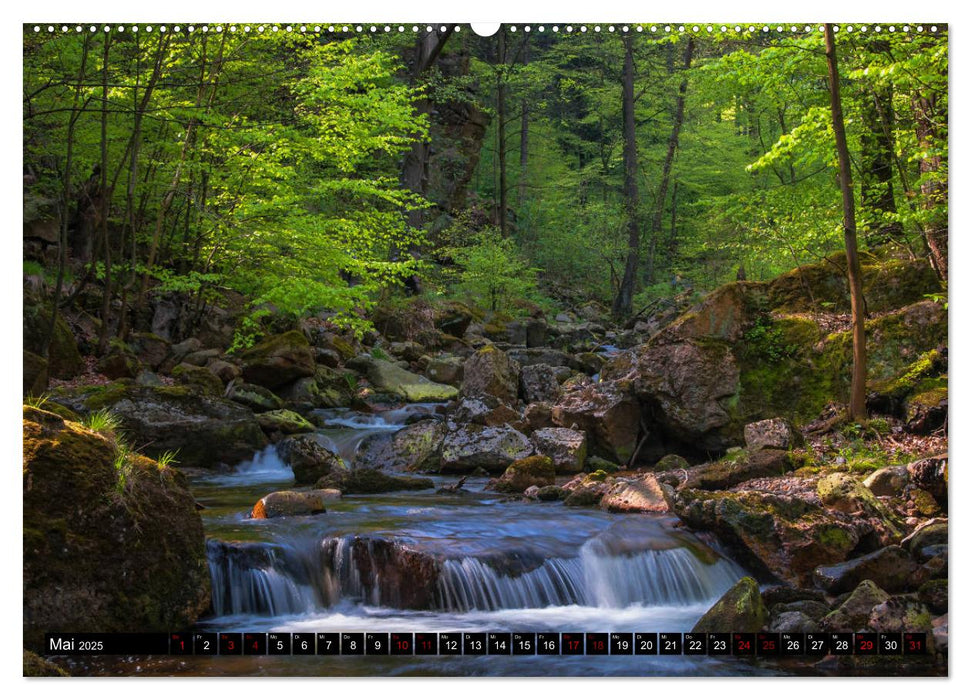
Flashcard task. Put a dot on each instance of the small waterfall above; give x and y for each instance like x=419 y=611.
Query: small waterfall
x=276 y=579
x=594 y=579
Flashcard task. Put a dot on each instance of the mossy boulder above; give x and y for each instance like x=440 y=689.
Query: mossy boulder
x=671 y=462
x=890 y=568
x=854 y=613
x=389 y=378
x=109 y=544
x=35 y=374
x=278 y=360
x=520 y=475
x=845 y=493
x=490 y=372
x=203 y=430
x=783 y=536
x=740 y=610
x=254 y=397
x=368 y=481
x=308 y=458
x=492 y=448
x=567 y=448
x=607 y=413
x=37 y=666
x=119 y=364
x=738 y=467
x=198 y=379
x=64 y=358
x=284 y=421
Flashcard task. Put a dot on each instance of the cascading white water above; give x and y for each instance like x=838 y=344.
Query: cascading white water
x=256 y=580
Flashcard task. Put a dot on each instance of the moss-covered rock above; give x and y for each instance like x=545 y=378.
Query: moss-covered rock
x=890 y=568
x=278 y=360
x=112 y=542
x=119 y=364
x=531 y=471
x=854 y=613
x=740 y=610
x=738 y=467
x=36 y=666
x=567 y=448
x=490 y=372
x=283 y=421
x=64 y=358
x=35 y=374
x=254 y=397
x=199 y=379
x=366 y=481
x=389 y=378
x=308 y=458
x=492 y=448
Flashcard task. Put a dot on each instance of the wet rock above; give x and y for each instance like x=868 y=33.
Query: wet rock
x=550 y=493
x=584 y=496
x=284 y=503
x=278 y=360
x=254 y=397
x=418 y=447
x=785 y=536
x=567 y=448
x=783 y=595
x=739 y=467
x=483 y=447
x=774 y=433
x=793 y=621
x=854 y=613
x=283 y=421
x=890 y=568
x=535 y=471
x=100 y=553
x=490 y=372
x=739 y=610
x=930 y=474
x=538 y=383
x=813 y=609
x=640 y=495
x=933 y=532
x=367 y=481
x=608 y=415
x=889 y=481
x=198 y=379
x=308 y=459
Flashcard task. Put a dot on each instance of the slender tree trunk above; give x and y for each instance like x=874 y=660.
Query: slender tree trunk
x=524 y=134
x=669 y=161
x=858 y=384
x=876 y=165
x=501 y=131
x=76 y=109
x=625 y=295
x=105 y=204
x=934 y=192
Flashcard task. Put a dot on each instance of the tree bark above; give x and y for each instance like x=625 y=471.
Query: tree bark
x=934 y=192
x=858 y=383
x=524 y=133
x=876 y=165
x=625 y=294
x=106 y=201
x=501 y=131
x=662 y=190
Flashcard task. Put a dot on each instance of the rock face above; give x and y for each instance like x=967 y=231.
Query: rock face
x=279 y=360
x=202 y=430
x=282 y=503
x=640 y=495
x=608 y=415
x=482 y=447
x=101 y=553
x=445 y=369
x=785 y=536
x=490 y=372
x=254 y=397
x=740 y=610
x=64 y=359
x=364 y=481
x=567 y=448
x=523 y=473
x=308 y=459
x=538 y=383
x=737 y=468
x=854 y=612
x=283 y=421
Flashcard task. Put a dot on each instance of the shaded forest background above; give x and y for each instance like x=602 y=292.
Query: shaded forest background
x=291 y=172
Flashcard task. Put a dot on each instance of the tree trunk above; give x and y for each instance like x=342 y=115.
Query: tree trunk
x=935 y=192
x=858 y=384
x=501 y=131
x=524 y=133
x=625 y=295
x=662 y=191
x=876 y=165
x=105 y=204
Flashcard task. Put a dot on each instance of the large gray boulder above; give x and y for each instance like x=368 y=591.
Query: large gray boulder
x=492 y=448
x=490 y=372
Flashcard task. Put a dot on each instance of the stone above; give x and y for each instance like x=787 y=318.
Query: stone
x=226 y=371
x=550 y=493
x=367 y=481
x=484 y=410
x=793 y=622
x=204 y=431
x=118 y=365
x=585 y=496
x=842 y=492
x=608 y=415
x=64 y=359
x=419 y=446
x=35 y=374
x=536 y=332
x=774 y=433
x=740 y=609
x=526 y=357
x=888 y=481
x=813 y=609
x=785 y=536
x=640 y=495
x=308 y=458
x=150 y=349
x=407 y=350
x=101 y=553
x=854 y=613
x=671 y=462
x=535 y=471
x=492 y=448
x=783 y=595
x=327 y=357
x=186 y=347
x=201 y=358
x=933 y=532
x=255 y=397
x=388 y=377
x=890 y=568
x=490 y=372
x=737 y=468
x=278 y=360
x=454 y=318
x=926 y=412
x=446 y=369
x=934 y=595
x=283 y=421
x=538 y=415
x=538 y=383
x=285 y=503
x=198 y=379
x=567 y=448
x=38 y=667
x=930 y=474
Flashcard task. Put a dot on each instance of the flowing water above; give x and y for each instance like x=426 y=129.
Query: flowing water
x=424 y=561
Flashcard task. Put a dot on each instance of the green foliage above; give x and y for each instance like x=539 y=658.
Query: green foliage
x=492 y=269
x=167 y=459
x=38 y=402
x=103 y=421
x=767 y=342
